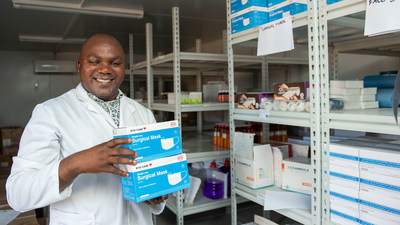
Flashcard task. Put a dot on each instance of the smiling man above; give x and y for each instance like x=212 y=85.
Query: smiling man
x=67 y=153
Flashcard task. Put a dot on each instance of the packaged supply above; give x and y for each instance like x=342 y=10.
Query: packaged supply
x=346 y=84
x=291 y=91
x=383 y=80
x=227 y=170
x=154 y=178
x=195 y=98
x=344 y=91
x=152 y=141
x=283 y=8
x=248 y=18
x=184 y=98
x=238 y=5
x=296 y=175
x=385 y=97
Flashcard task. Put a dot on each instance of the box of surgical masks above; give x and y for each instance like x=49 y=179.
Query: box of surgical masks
x=248 y=18
x=238 y=5
x=152 y=141
x=154 y=178
x=279 y=9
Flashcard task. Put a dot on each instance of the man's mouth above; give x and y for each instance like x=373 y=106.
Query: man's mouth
x=102 y=80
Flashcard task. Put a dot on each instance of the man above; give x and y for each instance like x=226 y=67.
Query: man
x=67 y=155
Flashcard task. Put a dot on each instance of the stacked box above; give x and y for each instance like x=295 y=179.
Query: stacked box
x=283 y=8
x=297 y=175
x=352 y=93
x=332 y=1
x=238 y=5
x=160 y=161
x=248 y=18
x=10 y=137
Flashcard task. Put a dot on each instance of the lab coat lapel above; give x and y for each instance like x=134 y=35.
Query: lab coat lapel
x=127 y=110
x=93 y=106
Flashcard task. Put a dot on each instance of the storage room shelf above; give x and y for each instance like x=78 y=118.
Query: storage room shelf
x=201 y=204
x=344 y=8
x=368 y=120
x=300 y=215
x=199 y=147
x=278 y=117
x=191 y=107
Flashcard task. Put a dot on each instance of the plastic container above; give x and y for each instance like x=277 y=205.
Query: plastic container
x=213 y=187
x=227 y=170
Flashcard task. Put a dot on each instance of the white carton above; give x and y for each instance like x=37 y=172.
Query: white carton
x=278 y=157
x=344 y=200
x=380 y=189
x=195 y=98
x=344 y=177
x=296 y=175
x=339 y=214
x=154 y=178
x=380 y=161
x=258 y=171
x=371 y=213
x=345 y=156
x=184 y=98
x=152 y=141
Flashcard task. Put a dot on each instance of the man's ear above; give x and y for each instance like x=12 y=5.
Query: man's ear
x=78 y=66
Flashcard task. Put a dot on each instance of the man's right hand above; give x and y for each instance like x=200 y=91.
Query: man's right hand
x=98 y=159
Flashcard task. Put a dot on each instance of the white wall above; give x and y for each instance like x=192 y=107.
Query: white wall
x=17 y=85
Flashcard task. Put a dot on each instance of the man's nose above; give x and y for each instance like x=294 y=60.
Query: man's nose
x=104 y=68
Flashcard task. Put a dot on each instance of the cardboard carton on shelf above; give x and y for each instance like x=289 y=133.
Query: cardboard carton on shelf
x=10 y=137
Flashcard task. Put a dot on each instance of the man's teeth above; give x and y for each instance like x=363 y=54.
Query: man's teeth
x=103 y=81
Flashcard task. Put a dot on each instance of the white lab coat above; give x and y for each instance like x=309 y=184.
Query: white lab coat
x=58 y=128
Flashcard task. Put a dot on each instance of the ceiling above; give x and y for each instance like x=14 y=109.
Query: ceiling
x=204 y=19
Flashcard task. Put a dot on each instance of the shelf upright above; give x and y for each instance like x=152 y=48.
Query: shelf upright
x=324 y=98
x=312 y=119
x=315 y=108
x=149 y=68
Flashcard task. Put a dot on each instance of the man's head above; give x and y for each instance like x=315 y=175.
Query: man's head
x=101 y=66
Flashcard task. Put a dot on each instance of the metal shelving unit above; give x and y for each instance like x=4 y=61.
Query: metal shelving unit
x=311 y=119
x=368 y=120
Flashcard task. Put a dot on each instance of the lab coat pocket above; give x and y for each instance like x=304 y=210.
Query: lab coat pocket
x=61 y=217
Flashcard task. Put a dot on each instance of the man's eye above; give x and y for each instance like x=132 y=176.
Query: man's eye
x=93 y=62
x=116 y=63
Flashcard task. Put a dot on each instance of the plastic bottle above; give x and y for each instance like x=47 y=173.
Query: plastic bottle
x=213 y=187
x=227 y=170
x=215 y=136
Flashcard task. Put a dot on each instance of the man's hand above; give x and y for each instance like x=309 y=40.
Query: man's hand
x=98 y=159
x=157 y=200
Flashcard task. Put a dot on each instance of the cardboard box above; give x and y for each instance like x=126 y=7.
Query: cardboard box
x=257 y=172
x=341 y=218
x=238 y=5
x=345 y=156
x=184 y=98
x=279 y=9
x=380 y=189
x=380 y=161
x=195 y=98
x=152 y=141
x=296 y=175
x=248 y=18
x=154 y=178
x=10 y=137
x=377 y=214
x=291 y=91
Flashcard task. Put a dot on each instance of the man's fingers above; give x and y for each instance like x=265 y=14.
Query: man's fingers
x=119 y=172
x=118 y=141
x=123 y=160
x=124 y=152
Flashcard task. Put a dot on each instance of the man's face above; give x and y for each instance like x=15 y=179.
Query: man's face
x=101 y=67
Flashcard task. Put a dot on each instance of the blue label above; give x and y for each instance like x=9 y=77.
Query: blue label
x=380 y=207
x=343 y=156
x=345 y=216
x=343 y=176
x=249 y=20
x=380 y=163
x=155 y=144
x=238 y=5
x=379 y=184
x=345 y=197
x=154 y=182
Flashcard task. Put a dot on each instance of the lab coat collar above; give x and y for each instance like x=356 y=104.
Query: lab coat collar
x=91 y=105
x=127 y=108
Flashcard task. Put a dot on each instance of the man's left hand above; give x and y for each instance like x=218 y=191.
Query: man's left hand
x=157 y=200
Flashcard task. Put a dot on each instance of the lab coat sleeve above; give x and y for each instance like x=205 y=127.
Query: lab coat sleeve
x=34 y=181
x=158 y=208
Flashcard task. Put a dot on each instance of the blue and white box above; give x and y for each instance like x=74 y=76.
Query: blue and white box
x=248 y=18
x=238 y=5
x=279 y=9
x=152 y=141
x=155 y=178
